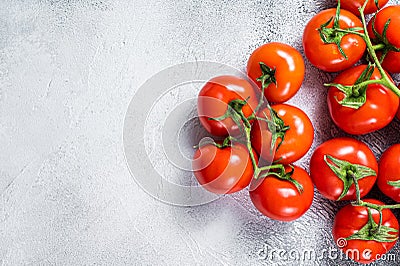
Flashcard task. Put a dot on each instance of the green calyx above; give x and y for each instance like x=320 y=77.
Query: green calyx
x=347 y=172
x=385 y=80
x=228 y=142
x=234 y=111
x=355 y=95
x=394 y=183
x=374 y=232
x=377 y=4
x=280 y=173
x=384 y=45
x=335 y=34
x=275 y=125
x=267 y=77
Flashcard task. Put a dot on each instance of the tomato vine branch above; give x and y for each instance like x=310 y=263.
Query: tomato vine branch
x=371 y=51
x=375 y=230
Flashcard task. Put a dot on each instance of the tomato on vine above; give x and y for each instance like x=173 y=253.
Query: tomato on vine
x=388 y=20
x=371 y=7
x=389 y=172
x=223 y=170
x=265 y=132
x=225 y=95
x=280 y=199
x=292 y=137
x=383 y=29
x=357 y=232
x=336 y=162
x=391 y=61
x=331 y=41
x=358 y=107
x=278 y=68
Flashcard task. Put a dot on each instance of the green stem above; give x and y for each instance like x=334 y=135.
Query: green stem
x=247 y=130
x=386 y=80
x=372 y=81
x=361 y=203
x=362 y=35
x=383 y=81
x=250 y=149
x=262 y=98
x=380 y=222
x=270 y=167
x=378 y=46
x=357 y=186
x=378 y=207
x=267 y=78
x=258 y=170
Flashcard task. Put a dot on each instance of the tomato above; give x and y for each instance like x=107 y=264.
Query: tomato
x=297 y=139
x=389 y=171
x=392 y=60
x=353 y=5
x=350 y=219
x=327 y=57
x=280 y=200
x=378 y=111
x=223 y=170
x=352 y=151
x=213 y=103
x=381 y=18
x=289 y=70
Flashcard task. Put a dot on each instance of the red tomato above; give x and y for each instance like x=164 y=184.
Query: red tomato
x=280 y=200
x=297 y=139
x=392 y=33
x=346 y=149
x=213 y=103
x=392 y=60
x=327 y=57
x=223 y=171
x=353 y=5
x=378 y=111
x=289 y=70
x=389 y=171
x=349 y=220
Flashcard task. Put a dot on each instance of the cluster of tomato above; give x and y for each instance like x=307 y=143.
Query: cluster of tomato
x=362 y=99
x=339 y=45
x=260 y=140
x=335 y=166
x=258 y=143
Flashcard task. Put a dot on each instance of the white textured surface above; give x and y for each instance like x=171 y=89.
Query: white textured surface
x=68 y=70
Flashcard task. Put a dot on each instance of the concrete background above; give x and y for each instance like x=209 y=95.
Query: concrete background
x=68 y=70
